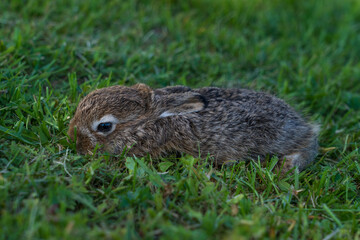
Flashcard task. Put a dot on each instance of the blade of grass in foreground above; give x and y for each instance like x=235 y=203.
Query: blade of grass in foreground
x=16 y=135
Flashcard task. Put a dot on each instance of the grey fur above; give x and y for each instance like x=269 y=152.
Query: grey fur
x=228 y=124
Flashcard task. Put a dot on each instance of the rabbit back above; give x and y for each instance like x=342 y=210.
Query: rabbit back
x=241 y=123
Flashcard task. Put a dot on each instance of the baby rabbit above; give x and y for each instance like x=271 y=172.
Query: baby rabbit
x=227 y=124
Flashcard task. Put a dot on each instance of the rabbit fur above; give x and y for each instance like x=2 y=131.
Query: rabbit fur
x=225 y=124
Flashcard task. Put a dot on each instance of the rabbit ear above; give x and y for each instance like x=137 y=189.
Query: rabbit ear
x=146 y=92
x=182 y=103
x=142 y=88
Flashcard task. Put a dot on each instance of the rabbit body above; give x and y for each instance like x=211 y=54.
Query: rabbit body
x=227 y=124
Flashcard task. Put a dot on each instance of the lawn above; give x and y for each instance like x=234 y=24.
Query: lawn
x=54 y=52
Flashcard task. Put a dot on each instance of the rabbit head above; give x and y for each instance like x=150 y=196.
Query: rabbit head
x=114 y=117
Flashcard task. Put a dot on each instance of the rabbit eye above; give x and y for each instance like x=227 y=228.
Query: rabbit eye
x=104 y=127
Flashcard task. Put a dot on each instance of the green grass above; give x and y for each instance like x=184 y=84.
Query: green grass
x=54 y=52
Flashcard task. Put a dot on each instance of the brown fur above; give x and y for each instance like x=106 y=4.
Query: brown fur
x=228 y=124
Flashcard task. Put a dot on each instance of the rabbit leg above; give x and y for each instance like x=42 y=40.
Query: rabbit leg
x=302 y=157
x=298 y=160
x=289 y=162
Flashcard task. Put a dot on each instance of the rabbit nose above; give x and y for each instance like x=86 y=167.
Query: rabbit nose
x=83 y=145
x=79 y=148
